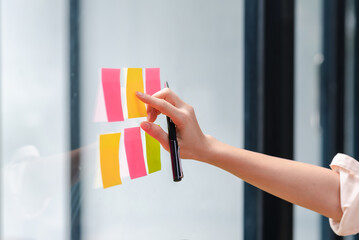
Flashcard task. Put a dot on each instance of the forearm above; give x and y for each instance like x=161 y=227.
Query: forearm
x=306 y=185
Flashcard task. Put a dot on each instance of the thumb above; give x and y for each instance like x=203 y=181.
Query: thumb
x=156 y=132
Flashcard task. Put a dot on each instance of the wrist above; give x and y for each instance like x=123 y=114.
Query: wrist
x=208 y=149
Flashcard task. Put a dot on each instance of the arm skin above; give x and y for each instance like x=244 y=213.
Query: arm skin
x=306 y=185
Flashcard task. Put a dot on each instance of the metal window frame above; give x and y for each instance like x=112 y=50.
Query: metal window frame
x=75 y=127
x=356 y=90
x=332 y=90
x=265 y=86
x=1 y=126
x=269 y=108
x=356 y=84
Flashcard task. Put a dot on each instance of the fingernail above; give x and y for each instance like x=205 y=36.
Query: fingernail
x=140 y=94
x=145 y=126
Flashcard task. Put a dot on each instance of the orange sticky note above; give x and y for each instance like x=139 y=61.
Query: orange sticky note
x=109 y=159
x=135 y=107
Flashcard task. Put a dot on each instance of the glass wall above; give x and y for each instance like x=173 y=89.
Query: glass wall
x=199 y=49
x=308 y=57
x=198 y=45
x=350 y=85
x=34 y=139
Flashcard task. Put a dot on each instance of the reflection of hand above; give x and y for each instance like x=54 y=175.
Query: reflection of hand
x=28 y=181
x=192 y=142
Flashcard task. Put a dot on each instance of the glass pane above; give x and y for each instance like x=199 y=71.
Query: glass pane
x=307 y=130
x=34 y=177
x=349 y=76
x=198 y=46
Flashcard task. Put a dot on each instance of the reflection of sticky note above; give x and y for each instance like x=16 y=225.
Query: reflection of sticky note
x=153 y=154
x=109 y=160
x=153 y=82
x=134 y=152
x=123 y=160
x=112 y=94
x=100 y=112
x=98 y=178
x=135 y=107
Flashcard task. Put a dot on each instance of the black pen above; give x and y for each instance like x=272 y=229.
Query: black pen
x=174 y=150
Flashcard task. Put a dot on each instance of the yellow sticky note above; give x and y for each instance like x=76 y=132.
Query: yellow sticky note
x=135 y=107
x=109 y=159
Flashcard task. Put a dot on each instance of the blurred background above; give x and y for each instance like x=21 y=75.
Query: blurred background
x=51 y=54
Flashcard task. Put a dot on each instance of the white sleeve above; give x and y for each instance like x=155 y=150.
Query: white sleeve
x=348 y=169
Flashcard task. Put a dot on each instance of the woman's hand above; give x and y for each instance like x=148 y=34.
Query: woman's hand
x=309 y=186
x=192 y=142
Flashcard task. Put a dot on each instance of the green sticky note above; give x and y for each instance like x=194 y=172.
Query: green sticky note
x=153 y=154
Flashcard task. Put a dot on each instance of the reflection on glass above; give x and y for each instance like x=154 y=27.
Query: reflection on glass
x=198 y=47
x=307 y=133
x=34 y=182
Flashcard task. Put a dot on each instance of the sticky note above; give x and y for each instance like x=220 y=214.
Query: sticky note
x=112 y=93
x=135 y=107
x=134 y=152
x=153 y=154
x=153 y=82
x=109 y=160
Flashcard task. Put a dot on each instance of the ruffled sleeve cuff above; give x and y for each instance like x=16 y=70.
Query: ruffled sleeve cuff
x=348 y=169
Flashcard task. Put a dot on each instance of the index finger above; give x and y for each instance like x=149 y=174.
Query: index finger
x=162 y=105
x=168 y=95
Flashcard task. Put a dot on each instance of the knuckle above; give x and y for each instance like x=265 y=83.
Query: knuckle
x=190 y=109
x=150 y=110
x=185 y=116
x=162 y=104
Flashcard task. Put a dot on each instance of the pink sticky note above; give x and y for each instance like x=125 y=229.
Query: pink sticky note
x=112 y=93
x=134 y=152
x=153 y=82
